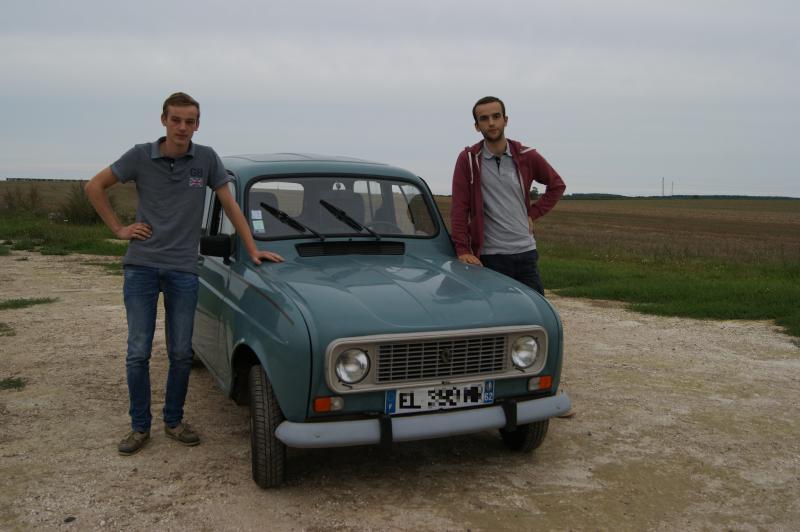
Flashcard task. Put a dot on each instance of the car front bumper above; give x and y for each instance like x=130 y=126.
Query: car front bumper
x=420 y=427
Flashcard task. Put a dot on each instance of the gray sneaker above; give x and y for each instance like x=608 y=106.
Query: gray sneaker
x=133 y=442
x=183 y=433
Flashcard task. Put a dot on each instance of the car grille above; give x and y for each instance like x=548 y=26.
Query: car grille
x=410 y=361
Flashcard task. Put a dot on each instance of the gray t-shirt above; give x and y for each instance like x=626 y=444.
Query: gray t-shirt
x=171 y=196
x=505 y=216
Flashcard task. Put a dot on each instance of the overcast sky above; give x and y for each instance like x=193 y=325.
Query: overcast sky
x=616 y=95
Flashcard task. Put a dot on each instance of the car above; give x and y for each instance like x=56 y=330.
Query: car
x=371 y=332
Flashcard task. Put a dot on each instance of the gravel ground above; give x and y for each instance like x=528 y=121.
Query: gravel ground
x=681 y=425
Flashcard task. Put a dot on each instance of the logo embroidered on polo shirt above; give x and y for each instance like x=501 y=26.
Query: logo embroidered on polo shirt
x=196 y=178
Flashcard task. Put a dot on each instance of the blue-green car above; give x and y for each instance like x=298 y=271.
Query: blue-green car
x=371 y=331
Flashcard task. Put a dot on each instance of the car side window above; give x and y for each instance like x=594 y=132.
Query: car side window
x=208 y=203
x=219 y=223
x=225 y=225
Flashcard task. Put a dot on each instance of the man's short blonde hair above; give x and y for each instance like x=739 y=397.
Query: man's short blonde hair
x=180 y=99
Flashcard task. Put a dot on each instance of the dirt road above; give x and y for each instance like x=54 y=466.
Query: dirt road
x=681 y=425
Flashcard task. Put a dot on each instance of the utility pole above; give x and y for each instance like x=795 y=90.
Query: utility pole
x=662 y=187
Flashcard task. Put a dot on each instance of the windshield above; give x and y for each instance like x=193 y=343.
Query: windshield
x=300 y=207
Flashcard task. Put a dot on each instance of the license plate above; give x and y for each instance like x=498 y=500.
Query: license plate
x=441 y=397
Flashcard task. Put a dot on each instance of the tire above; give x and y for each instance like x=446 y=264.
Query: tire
x=525 y=438
x=268 y=454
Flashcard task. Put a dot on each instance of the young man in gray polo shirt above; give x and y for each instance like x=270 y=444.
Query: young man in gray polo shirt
x=171 y=175
x=492 y=214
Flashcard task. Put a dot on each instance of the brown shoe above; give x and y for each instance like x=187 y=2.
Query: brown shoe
x=183 y=433
x=568 y=414
x=133 y=442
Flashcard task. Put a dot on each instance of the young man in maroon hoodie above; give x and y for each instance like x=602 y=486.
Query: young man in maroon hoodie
x=492 y=214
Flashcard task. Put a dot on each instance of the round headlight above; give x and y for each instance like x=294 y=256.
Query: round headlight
x=524 y=351
x=352 y=366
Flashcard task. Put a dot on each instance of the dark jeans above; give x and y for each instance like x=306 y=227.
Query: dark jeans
x=524 y=267
x=141 y=288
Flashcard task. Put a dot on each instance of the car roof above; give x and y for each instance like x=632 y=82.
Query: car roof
x=248 y=166
x=292 y=156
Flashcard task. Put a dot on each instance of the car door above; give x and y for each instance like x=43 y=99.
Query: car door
x=212 y=297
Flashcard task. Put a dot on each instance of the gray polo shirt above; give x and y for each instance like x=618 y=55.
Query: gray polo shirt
x=505 y=215
x=171 y=196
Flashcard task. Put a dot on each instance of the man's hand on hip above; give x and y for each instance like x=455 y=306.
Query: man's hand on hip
x=137 y=231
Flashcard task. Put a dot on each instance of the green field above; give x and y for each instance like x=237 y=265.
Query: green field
x=700 y=258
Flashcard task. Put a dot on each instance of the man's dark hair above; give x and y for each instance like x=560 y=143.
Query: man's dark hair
x=487 y=99
x=180 y=99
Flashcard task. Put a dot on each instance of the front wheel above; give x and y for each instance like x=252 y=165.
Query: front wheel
x=525 y=438
x=268 y=453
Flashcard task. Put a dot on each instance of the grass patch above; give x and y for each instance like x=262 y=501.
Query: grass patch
x=12 y=383
x=4 y=250
x=697 y=258
x=38 y=233
x=7 y=330
x=695 y=288
x=53 y=250
x=25 y=244
x=25 y=302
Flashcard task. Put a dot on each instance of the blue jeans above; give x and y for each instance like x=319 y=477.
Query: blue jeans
x=141 y=289
x=524 y=267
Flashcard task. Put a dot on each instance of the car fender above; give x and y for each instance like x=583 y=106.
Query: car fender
x=278 y=336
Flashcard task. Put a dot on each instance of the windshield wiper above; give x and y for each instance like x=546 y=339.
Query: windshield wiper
x=288 y=220
x=342 y=216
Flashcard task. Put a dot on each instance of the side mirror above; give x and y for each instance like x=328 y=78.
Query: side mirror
x=217 y=246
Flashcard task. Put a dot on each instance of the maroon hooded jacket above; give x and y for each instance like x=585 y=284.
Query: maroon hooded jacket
x=466 y=215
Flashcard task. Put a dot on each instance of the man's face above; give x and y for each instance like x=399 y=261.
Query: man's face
x=181 y=123
x=491 y=122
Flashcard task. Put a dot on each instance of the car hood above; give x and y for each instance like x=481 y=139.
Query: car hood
x=359 y=295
